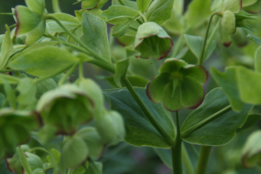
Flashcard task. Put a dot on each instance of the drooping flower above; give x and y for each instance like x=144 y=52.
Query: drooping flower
x=178 y=85
x=152 y=41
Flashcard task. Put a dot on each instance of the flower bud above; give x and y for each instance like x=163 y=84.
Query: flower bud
x=111 y=128
x=228 y=22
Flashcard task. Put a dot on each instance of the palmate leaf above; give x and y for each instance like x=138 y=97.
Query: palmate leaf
x=213 y=123
x=139 y=130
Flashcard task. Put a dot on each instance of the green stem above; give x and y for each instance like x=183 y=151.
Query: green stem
x=176 y=150
x=186 y=160
x=56 y=6
x=206 y=121
x=92 y=52
x=200 y=61
x=143 y=17
x=81 y=76
x=212 y=36
x=67 y=74
x=103 y=64
x=24 y=161
x=203 y=159
x=159 y=127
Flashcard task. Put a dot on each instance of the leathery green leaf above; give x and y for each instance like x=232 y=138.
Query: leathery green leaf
x=6 y=49
x=121 y=70
x=195 y=44
x=44 y=61
x=249 y=85
x=160 y=11
x=143 y=5
x=228 y=82
x=117 y=13
x=95 y=35
x=214 y=123
x=252 y=119
x=139 y=130
x=193 y=17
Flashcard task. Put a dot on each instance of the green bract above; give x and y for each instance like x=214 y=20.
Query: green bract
x=65 y=107
x=152 y=41
x=178 y=85
x=30 y=20
x=15 y=128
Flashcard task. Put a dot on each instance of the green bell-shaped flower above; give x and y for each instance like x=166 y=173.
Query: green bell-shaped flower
x=228 y=20
x=152 y=41
x=30 y=20
x=178 y=85
x=65 y=107
x=15 y=128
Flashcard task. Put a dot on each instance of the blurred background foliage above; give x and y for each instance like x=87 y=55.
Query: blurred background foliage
x=126 y=159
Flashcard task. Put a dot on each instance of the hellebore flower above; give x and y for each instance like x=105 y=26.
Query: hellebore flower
x=178 y=85
x=30 y=20
x=152 y=41
x=65 y=107
x=15 y=128
x=228 y=21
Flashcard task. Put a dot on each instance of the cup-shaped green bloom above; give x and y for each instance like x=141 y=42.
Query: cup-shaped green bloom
x=152 y=41
x=228 y=20
x=15 y=128
x=65 y=107
x=30 y=20
x=178 y=85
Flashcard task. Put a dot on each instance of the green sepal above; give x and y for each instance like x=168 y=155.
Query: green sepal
x=228 y=22
x=251 y=152
x=93 y=141
x=152 y=41
x=111 y=128
x=34 y=35
x=232 y=5
x=74 y=152
x=36 y=6
x=26 y=20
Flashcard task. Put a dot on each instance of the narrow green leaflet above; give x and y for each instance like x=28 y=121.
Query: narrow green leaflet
x=143 y=5
x=6 y=48
x=121 y=28
x=95 y=35
x=228 y=82
x=246 y=3
x=195 y=44
x=213 y=123
x=44 y=61
x=255 y=38
x=121 y=70
x=179 y=6
x=9 y=79
x=258 y=60
x=117 y=13
x=69 y=21
x=128 y=3
x=193 y=17
x=160 y=11
x=94 y=168
x=139 y=130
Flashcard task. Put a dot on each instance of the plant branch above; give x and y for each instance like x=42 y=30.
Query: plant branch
x=203 y=159
x=176 y=150
x=56 y=6
x=206 y=121
x=159 y=128
x=186 y=160
x=200 y=61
